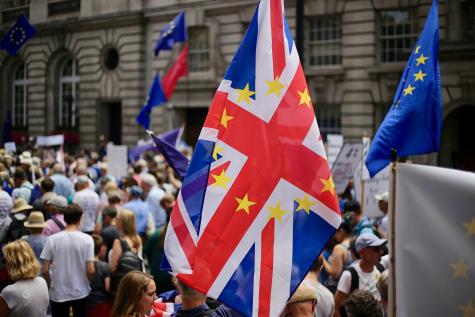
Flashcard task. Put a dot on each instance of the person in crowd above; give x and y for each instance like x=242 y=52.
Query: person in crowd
x=35 y=224
x=362 y=303
x=125 y=222
x=13 y=227
x=47 y=193
x=23 y=187
x=365 y=272
x=154 y=194
x=340 y=257
x=135 y=295
x=382 y=285
x=62 y=184
x=81 y=170
x=6 y=205
x=325 y=302
x=362 y=224
x=89 y=202
x=99 y=301
x=383 y=205
x=110 y=232
x=72 y=254
x=28 y=296
x=55 y=207
x=139 y=208
x=302 y=303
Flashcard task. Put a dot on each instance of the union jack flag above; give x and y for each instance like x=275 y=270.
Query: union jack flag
x=258 y=203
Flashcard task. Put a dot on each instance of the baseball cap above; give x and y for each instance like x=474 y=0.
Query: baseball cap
x=368 y=240
x=383 y=196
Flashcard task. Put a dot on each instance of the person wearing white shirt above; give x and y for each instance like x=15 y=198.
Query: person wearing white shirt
x=89 y=202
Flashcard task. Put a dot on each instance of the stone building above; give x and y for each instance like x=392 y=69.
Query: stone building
x=96 y=58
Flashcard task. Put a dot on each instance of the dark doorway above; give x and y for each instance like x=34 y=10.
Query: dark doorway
x=457 y=143
x=194 y=118
x=110 y=121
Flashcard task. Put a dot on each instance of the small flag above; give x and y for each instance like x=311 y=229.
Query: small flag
x=173 y=137
x=175 y=158
x=412 y=125
x=18 y=35
x=178 y=70
x=175 y=31
x=155 y=98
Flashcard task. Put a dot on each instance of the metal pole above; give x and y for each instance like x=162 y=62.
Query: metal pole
x=392 y=250
x=300 y=25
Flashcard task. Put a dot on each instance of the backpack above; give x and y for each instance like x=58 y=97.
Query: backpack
x=128 y=261
x=355 y=280
x=17 y=229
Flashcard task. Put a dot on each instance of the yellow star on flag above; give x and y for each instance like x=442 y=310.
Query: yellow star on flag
x=221 y=180
x=418 y=47
x=468 y=310
x=304 y=98
x=304 y=204
x=409 y=89
x=328 y=185
x=245 y=94
x=244 y=204
x=225 y=119
x=470 y=227
x=460 y=269
x=419 y=76
x=276 y=212
x=217 y=150
x=421 y=60
x=275 y=86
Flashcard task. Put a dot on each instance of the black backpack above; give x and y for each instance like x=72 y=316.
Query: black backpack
x=355 y=279
x=17 y=229
x=128 y=261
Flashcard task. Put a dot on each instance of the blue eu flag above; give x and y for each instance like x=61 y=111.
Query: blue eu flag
x=175 y=31
x=21 y=32
x=412 y=125
x=155 y=98
x=175 y=158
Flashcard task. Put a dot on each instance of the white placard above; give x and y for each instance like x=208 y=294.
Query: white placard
x=10 y=147
x=50 y=140
x=117 y=160
x=345 y=165
x=334 y=144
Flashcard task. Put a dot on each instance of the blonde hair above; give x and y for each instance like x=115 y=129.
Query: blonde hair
x=20 y=261
x=127 y=221
x=132 y=288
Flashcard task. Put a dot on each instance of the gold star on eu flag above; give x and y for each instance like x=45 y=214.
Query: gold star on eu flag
x=421 y=60
x=409 y=89
x=244 y=204
x=419 y=76
x=245 y=94
x=276 y=212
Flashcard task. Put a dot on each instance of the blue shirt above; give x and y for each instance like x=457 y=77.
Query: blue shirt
x=141 y=211
x=62 y=186
x=37 y=243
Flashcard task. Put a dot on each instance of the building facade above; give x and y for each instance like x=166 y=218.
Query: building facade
x=86 y=73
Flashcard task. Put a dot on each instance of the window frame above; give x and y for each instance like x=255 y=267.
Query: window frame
x=325 y=112
x=199 y=51
x=337 y=40
x=73 y=80
x=17 y=83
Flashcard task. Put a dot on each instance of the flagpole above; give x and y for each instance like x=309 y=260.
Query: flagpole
x=392 y=249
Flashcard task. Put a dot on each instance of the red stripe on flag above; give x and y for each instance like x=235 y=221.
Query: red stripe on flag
x=182 y=233
x=277 y=29
x=215 y=111
x=217 y=171
x=267 y=268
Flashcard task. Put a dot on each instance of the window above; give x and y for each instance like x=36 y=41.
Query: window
x=324 y=40
x=12 y=9
x=468 y=20
x=68 y=87
x=57 y=7
x=19 y=97
x=329 y=119
x=199 y=50
x=397 y=34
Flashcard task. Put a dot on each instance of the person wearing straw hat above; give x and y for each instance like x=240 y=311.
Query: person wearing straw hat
x=35 y=224
x=13 y=227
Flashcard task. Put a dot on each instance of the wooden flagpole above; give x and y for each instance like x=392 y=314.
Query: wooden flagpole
x=392 y=245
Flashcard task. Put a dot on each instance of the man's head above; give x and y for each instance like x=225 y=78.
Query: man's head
x=109 y=213
x=114 y=197
x=302 y=303
x=363 y=304
x=19 y=177
x=47 y=185
x=72 y=214
x=147 y=182
x=135 y=192
x=82 y=182
x=370 y=248
x=56 y=204
x=383 y=201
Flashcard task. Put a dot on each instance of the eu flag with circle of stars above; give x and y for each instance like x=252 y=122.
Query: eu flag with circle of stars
x=21 y=32
x=175 y=31
x=412 y=125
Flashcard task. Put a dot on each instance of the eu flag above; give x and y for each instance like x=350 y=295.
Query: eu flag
x=175 y=158
x=175 y=31
x=155 y=98
x=21 y=32
x=412 y=125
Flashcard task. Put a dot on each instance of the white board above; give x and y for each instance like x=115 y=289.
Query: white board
x=345 y=165
x=117 y=160
x=50 y=140
x=334 y=144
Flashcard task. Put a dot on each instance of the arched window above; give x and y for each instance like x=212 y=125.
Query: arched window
x=19 y=97
x=68 y=87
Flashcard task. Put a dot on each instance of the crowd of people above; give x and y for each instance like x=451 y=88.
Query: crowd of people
x=79 y=242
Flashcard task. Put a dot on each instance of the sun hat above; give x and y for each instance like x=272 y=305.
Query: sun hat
x=383 y=196
x=302 y=294
x=368 y=240
x=35 y=220
x=20 y=204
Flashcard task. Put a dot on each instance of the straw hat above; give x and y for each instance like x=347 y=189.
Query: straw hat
x=35 y=220
x=20 y=205
x=302 y=294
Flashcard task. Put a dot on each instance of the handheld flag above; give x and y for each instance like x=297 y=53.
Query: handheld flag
x=18 y=35
x=412 y=125
x=240 y=230
x=174 y=31
x=155 y=98
x=175 y=158
x=178 y=70
x=173 y=137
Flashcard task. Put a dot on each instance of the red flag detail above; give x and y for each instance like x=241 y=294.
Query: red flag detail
x=178 y=70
